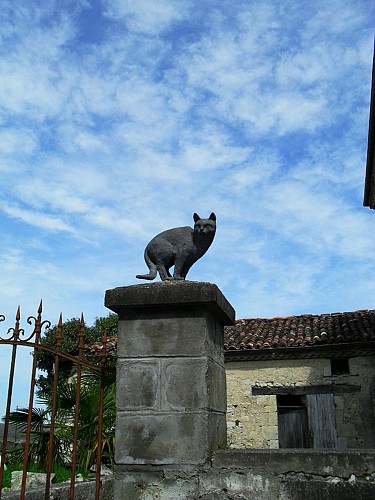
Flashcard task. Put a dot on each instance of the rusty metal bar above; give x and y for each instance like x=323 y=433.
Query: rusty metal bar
x=16 y=332
x=78 y=400
x=88 y=364
x=37 y=332
x=53 y=411
x=100 y=416
x=34 y=341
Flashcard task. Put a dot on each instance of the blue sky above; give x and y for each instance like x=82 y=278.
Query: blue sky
x=121 y=118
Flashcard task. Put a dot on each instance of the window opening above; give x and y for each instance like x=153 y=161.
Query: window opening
x=340 y=366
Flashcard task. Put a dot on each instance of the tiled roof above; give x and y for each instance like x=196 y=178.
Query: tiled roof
x=294 y=331
x=301 y=331
x=96 y=348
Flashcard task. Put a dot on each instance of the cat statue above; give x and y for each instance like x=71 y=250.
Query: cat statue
x=179 y=247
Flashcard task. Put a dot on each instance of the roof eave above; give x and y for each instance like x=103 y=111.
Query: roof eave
x=352 y=349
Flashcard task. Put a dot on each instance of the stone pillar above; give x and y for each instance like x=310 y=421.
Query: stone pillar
x=171 y=386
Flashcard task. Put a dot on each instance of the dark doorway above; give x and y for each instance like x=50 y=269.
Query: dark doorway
x=292 y=421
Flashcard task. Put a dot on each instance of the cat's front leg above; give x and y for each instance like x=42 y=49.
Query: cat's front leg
x=178 y=271
x=181 y=270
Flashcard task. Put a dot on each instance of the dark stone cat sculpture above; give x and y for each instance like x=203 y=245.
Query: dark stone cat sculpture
x=179 y=247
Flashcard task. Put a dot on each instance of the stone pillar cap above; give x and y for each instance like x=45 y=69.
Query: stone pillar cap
x=171 y=293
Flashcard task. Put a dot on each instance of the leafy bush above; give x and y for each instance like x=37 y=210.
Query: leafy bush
x=69 y=345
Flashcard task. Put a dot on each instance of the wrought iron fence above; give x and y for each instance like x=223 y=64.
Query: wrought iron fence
x=16 y=337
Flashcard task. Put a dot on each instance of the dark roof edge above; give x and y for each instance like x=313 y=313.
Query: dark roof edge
x=316 y=351
x=297 y=316
x=369 y=196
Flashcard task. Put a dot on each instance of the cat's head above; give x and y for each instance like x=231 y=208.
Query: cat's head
x=205 y=226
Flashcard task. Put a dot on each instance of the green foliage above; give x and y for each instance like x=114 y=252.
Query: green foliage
x=62 y=473
x=8 y=475
x=109 y=323
x=69 y=342
x=88 y=425
x=39 y=439
x=69 y=345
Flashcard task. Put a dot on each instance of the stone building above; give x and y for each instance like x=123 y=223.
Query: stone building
x=302 y=382
x=299 y=382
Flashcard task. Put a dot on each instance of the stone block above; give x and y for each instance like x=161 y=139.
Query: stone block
x=217 y=431
x=217 y=386
x=135 y=485
x=272 y=419
x=184 y=384
x=33 y=479
x=164 y=438
x=241 y=485
x=168 y=334
x=138 y=384
x=150 y=485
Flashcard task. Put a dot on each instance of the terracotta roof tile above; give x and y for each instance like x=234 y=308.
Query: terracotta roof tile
x=294 y=331
x=96 y=348
x=299 y=331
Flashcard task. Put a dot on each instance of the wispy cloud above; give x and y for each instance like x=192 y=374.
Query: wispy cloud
x=120 y=119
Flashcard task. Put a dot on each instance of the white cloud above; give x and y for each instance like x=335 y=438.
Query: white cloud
x=256 y=170
x=147 y=17
x=257 y=111
x=36 y=219
x=17 y=140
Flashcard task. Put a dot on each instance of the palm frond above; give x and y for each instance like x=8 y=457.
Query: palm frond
x=39 y=418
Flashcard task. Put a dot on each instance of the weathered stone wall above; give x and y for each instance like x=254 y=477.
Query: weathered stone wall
x=252 y=419
x=290 y=475
x=355 y=417
x=259 y=475
x=244 y=475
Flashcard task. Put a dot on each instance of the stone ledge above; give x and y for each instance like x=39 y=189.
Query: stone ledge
x=260 y=474
x=171 y=293
x=308 y=461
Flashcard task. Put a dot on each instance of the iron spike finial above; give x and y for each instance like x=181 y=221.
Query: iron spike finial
x=59 y=333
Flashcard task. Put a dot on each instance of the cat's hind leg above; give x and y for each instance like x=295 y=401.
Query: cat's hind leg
x=163 y=272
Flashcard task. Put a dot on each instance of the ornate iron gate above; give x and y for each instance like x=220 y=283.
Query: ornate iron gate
x=16 y=338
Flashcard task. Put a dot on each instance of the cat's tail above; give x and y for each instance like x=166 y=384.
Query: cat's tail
x=153 y=270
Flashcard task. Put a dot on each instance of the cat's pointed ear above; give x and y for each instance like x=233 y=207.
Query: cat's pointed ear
x=212 y=216
x=196 y=217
